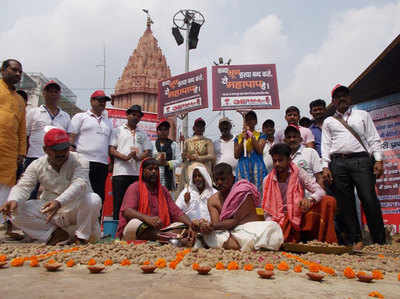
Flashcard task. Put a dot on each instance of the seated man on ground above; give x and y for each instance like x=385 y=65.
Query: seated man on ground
x=68 y=210
x=302 y=218
x=193 y=198
x=234 y=221
x=147 y=207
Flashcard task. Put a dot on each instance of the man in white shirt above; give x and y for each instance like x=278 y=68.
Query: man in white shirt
x=68 y=210
x=267 y=140
x=90 y=135
x=224 y=146
x=168 y=154
x=347 y=163
x=292 y=116
x=48 y=114
x=129 y=146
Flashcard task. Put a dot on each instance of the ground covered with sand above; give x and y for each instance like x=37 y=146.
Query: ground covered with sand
x=233 y=273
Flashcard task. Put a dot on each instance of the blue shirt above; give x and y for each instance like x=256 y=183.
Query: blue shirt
x=317 y=132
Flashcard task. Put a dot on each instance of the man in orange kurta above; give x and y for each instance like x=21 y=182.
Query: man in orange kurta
x=12 y=127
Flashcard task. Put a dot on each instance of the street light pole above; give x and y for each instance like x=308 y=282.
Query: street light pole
x=185 y=120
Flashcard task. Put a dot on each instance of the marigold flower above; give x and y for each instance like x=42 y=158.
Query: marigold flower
x=92 y=262
x=34 y=263
x=297 y=268
x=195 y=266
x=173 y=265
x=349 y=273
x=186 y=251
x=233 y=266
x=361 y=273
x=313 y=268
x=146 y=262
x=375 y=294
x=283 y=266
x=381 y=256
x=160 y=263
x=17 y=262
x=221 y=266
x=248 y=267
x=398 y=277
x=376 y=274
x=269 y=267
x=3 y=258
x=125 y=262
x=328 y=270
x=52 y=261
x=70 y=263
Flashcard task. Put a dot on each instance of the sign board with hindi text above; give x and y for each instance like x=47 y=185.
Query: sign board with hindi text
x=242 y=87
x=183 y=93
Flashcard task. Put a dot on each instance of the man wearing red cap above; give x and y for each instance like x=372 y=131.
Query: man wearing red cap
x=197 y=149
x=168 y=154
x=91 y=134
x=48 y=114
x=349 y=139
x=68 y=210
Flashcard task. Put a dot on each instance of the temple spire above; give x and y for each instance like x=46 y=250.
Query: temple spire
x=149 y=21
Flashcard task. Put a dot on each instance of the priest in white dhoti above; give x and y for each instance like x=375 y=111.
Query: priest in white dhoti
x=67 y=210
x=193 y=198
x=234 y=221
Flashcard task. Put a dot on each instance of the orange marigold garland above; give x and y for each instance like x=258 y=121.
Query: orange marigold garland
x=34 y=263
x=125 y=262
x=108 y=262
x=195 y=266
x=221 y=266
x=269 y=267
x=313 y=268
x=248 y=267
x=3 y=258
x=375 y=294
x=297 y=269
x=376 y=274
x=172 y=265
x=17 y=262
x=283 y=266
x=349 y=273
x=70 y=263
x=160 y=263
x=233 y=266
x=92 y=262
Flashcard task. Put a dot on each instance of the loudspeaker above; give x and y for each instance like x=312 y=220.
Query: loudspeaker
x=177 y=35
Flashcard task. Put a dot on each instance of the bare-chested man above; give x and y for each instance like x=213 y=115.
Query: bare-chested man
x=234 y=221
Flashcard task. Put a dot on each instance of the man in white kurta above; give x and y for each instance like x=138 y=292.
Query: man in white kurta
x=67 y=201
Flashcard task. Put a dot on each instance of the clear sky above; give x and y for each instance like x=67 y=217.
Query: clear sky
x=315 y=44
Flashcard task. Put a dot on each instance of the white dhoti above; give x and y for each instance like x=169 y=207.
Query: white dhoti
x=250 y=236
x=4 y=192
x=81 y=221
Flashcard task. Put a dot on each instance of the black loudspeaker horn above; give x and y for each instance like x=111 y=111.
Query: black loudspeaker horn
x=194 y=35
x=177 y=35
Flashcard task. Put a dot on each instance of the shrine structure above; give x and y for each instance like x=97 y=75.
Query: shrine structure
x=138 y=84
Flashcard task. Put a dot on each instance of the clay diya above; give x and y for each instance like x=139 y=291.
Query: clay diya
x=3 y=264
x=315 y=276
x=365 y=277
x=203 y=270
x=52 y=267
x=266 y=274
x=147 y=269
x=96 y=268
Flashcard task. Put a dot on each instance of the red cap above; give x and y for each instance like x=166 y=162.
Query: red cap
x=198 y=120
x=99 y=94
x=57 y=139
x=337 y=88
x=163 y=121
x=52 y=82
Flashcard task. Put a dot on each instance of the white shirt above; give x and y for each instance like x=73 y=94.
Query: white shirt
x=125 y=140
x=267 y=157
x=36 y=119
x=336 y=139
x=93 y=135
x=176 y=160
x=308 y=159
x=225 y=152
x=66 y=186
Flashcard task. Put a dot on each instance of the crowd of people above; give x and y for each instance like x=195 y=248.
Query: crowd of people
x=251 y=191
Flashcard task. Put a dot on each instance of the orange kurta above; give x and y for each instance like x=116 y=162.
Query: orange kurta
x=12 y=133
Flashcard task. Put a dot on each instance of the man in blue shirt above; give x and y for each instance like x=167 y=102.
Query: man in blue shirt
x=318 y=111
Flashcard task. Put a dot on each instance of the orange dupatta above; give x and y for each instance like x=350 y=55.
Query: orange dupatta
x=273 y=202
x=144 y=208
